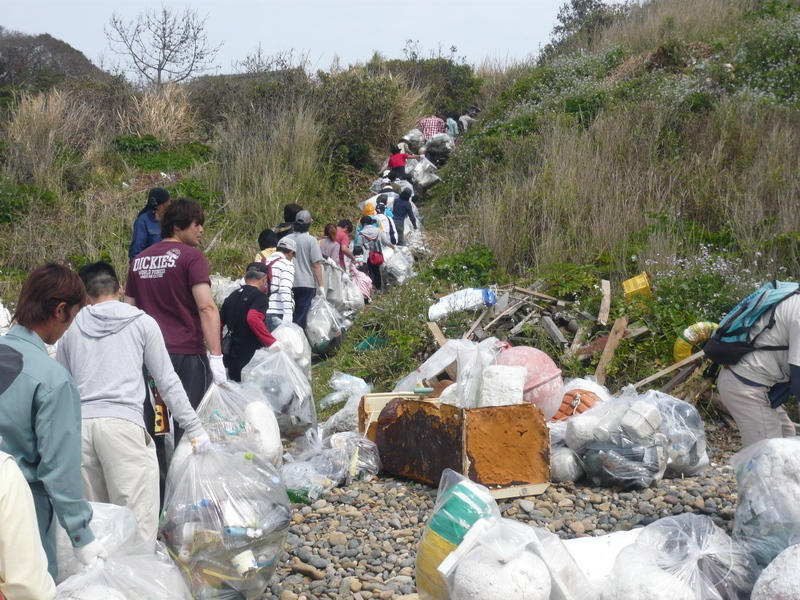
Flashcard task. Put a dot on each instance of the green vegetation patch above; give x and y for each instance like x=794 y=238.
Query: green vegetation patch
x=149 y=154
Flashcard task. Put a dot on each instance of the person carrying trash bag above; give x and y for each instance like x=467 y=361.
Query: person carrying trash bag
x=372 y=240
x=105 y=350
x=245 y=313
x=40 y=413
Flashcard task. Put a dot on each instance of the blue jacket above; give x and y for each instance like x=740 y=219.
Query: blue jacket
x=146 y=232
x=40 y=423
x=403 y=209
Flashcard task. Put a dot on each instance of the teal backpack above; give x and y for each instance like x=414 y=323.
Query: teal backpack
x=732 y=339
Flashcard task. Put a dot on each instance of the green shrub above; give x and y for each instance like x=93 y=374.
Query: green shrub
x=149 y=154
x=474 y=267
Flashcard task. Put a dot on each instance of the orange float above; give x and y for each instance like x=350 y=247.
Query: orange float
x=575 y=402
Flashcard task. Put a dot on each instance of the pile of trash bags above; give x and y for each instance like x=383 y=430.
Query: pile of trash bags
x=225 y=520
x=325 y=326
x=131 y=570
x=469 y=552
x=631 y=441
x=341 y=291
x=415 y=140
x=348 y=389
x=239 y=416
x=422 y=173
x=314 y=466
x=439 y=147
x=222 y=287
x=286 y=388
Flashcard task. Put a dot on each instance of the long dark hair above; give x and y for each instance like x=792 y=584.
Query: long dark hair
x=155 y=197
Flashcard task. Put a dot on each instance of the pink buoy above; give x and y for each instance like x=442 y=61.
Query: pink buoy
x=544 y=387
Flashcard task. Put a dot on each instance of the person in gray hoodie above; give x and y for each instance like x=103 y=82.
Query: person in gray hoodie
x=104 y=350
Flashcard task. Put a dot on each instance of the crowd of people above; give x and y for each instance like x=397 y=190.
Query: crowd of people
x=89 y=425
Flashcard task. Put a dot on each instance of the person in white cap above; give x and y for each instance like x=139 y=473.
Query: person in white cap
x=281 y=276
x=307 y=268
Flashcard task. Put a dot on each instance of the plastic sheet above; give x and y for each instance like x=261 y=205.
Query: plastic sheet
x=363 y=459
x=436 y=363
x=682 y=558
x=225 y=521
x=287 y=390
x=239 y=416
x=768 y=512
x=114 y=526
x=325 y=327
x=141 y=577
x=295 y=344
x=466 y=299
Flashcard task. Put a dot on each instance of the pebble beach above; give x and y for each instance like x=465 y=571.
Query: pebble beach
x=361 y=541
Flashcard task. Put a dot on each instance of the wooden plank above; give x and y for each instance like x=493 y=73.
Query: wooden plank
x=506 y=312
x=437 y=333
x=536 y=294
x=577 y=341
x=605 y=303
x=518 y=491
x=679 y=378
x=668 y=370
x=553 y=331
x=518 y=327
x=611 y=346
x=471 y=330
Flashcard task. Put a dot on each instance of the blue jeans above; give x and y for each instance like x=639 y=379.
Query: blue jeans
x=302 y=303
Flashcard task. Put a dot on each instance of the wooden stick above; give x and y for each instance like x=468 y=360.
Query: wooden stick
x=474 y=326
x=535 y=294
x=605 y=303
x=611 y=346
x=518 y=327
x=214 y=241
x=669 y=370
x=577 y=341
x=679 y=378
x=437 y=333
x=506 y=312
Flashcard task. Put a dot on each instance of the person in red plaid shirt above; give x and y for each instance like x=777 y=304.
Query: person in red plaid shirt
x=430 y=126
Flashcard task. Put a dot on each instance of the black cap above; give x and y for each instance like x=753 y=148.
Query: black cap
x=158 y=195
x=257 y=266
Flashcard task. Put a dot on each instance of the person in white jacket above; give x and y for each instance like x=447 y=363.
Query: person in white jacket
x=104 y=350
x=23 y=562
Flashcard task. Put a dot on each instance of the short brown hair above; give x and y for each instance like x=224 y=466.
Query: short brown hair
x=330 y=231
x=44 y=289
x=181 y=213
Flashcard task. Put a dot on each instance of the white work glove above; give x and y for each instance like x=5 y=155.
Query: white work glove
x=217 y=369
x=321 y=291
x=287 y=319
x=201 y=443
x=90 y=553
x=276 y=347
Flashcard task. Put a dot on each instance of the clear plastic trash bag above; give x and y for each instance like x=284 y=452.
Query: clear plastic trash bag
x=295 y=344
x=363 y=459
x=685 y=557
x=625 y=462
x=113 y=526
x=767 y=515
x=466 y=299
x=349 y=389
x=133 y=577
x=397 y=267
x=332 y=282
x=287 y=389
x=240 y=416
x=415 y=140
x=225 y=521
x=325 y=326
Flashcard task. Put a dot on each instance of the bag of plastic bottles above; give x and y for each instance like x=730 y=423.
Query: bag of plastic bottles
x=225 y=521
x=363 y=458
x=287 y=390
x=325 y=326
x=295 y=344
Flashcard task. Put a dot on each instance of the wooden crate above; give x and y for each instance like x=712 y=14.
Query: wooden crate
x=505 y=448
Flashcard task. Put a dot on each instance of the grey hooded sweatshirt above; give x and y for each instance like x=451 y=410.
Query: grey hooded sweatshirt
x=105 y=348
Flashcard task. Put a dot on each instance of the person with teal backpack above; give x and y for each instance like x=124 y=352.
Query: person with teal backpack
x=758 y=344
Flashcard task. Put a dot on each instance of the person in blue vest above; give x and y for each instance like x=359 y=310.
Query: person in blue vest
x=147 y=227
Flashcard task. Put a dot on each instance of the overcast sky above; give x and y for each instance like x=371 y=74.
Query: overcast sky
x=505 y=30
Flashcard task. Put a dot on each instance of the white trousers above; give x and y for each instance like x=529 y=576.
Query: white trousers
x=749 y=406
x=119 y=466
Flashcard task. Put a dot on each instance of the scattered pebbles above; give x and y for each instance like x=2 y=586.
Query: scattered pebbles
x=360 y=542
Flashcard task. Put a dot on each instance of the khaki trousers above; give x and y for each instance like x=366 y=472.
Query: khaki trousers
x=119 y=466
x=749 y=406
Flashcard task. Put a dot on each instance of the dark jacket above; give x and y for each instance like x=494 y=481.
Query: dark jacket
x=401 y=210
x=146 y=232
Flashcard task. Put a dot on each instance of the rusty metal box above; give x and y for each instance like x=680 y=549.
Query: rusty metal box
x=505 y=448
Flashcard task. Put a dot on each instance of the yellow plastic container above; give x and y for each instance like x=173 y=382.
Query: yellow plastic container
x=637 y=285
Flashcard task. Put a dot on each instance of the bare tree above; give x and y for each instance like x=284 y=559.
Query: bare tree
x=163 y=45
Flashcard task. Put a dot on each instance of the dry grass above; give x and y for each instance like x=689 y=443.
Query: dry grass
x=161 y=112
x=656 y=21
x=50 y=133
